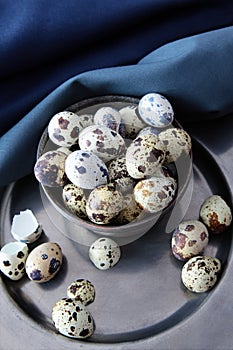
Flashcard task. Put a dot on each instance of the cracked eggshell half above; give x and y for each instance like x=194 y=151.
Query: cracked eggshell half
x=13 y=256
x=25 y=227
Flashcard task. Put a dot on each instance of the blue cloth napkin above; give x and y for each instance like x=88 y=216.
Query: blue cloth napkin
x=194 y=73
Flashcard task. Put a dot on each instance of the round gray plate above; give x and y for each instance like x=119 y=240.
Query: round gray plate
x=138 y=301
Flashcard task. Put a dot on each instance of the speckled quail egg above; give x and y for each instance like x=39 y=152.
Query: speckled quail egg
x=155 y=110
x=177 y=142
x=144 y=155
x=81 y=290
x=190 y=238
x=85 y=119
x=109 y=117
x=49 y=169
x=72 y=319
x=86 y=170
x=119 y=176
x=64 y=128
x=25 y=228
x=13 y=256
x=104 y=253
x=200 y=273
x=107 y=144
x=155 y=193
x=132 y=121
x=104 y=203
x=130 y=213
x=149 y=130
x=74 y=198
x=44 y=262
x=216 y=214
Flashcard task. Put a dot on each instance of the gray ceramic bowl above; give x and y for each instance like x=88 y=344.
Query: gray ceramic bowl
x=85 y=232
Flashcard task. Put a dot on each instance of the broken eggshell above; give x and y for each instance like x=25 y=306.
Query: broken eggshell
x=13 y=256
x=216 y=214
x=104 y=253
x=72 y=319
x=44 y=262
x=25 y=227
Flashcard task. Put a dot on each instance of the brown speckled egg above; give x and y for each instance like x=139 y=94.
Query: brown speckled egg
x=72 y=319
x=155 y=194
x=107 y=144
x=44 y=262
x=75 y=199
x=130 y=213
x=216 y=214
x=104 y=253
x=104 y=203
x=49 y=169
x=200 y=273
x=64 y=128
x=177 y=142
x=144 y=155
x=81 y=290
x=190 y=238
x=132 y=121
x=119 y=175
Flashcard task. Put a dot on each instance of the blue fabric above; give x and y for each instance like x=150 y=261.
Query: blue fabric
x=195 y=73
x=45 y=42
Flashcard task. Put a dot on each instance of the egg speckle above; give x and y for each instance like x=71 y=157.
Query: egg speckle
x=84 y=169
x=72 y=319
x=190 y=238
x=216 y=214
x=104 y=253
x=200 y=273
x=81 y=290
x=44 y=262
x=155 y=110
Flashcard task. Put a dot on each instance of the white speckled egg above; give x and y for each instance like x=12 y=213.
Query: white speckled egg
x=216 y=214
x=72 y=319
x=64 y=128
x=190 y=238
x=109 y=117
x=104 y=203
x=13 y=256
x=177 y=142
x=75 y=199
x=86 y=119
x=119 y=175
x=44 y=262
x=200 y=273
x=49 y=169
x=149 y=130
x=144 y=155
x=81 y=290
x=107 y=144
x=84 y=169
x=104 y=253
x=25 y=228
x=132 y=121
x=155 y=193
x=155 y=110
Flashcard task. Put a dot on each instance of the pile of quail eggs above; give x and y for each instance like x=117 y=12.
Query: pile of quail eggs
x=115 y=165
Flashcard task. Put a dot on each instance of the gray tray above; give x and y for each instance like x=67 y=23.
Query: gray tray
x=141 y=302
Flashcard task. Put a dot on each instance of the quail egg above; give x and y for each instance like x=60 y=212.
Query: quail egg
x=109 y=117
x=75 y=199
x=132 y=121
x=216 y=214
x=155 y=110
x=149 y=130
x=190 y=238
x=64 y=128
x=49 y=169
x=200 y=273
x=104 y=203
x=107 y=144
x=44 y=262
x=130 y=213
x=177 y=142
x=84 y=169
x=81 y=290
x=13 y=256
x=119 y=176
x=72 y=319
x=104 y=253
x=144 y=155
x=155 y=193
